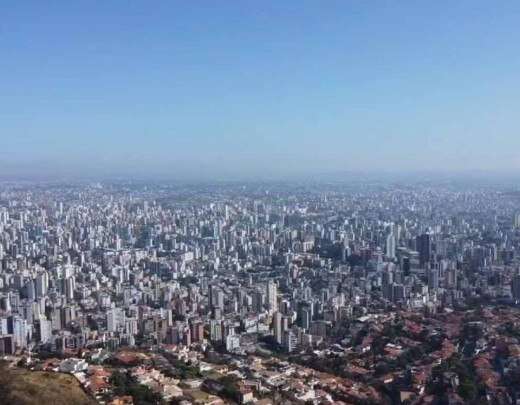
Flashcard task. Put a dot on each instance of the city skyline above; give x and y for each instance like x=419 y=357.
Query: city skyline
x=268 y=203
x=266 y=293
x=248 y=90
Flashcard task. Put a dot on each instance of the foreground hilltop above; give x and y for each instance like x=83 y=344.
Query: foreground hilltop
x=23 y=387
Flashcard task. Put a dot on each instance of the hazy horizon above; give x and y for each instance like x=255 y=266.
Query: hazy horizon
x=245 y=90
x=403 y=177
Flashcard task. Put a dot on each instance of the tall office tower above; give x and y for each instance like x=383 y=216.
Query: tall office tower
x=272 y=296
x=285 y=307
x=451 y=278
x=55 y=319
x=398 y=292
x=516 y=220
x=433 y=279
x=277 y=326
x=17 y=326
x=211 y=292
x=115 y=319
x=3 y=327
x=257 y=301
x=4 y=216
x=304 y=315
x=30 y=291
x=344 y=250
x=515 y=287
x=290 y=341
x=398 y=233
x=70 y=285
x=216 y=297
x=5 y=303
x=131 y=326
x=423 y=246
x=390 y=246
x=216 y=331
x=44 y=329
x=406 y=266
x=197 y=331
x=220 y=298
x=387 y=284
x=42 y=283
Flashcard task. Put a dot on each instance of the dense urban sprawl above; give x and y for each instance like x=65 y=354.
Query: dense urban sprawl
x=265 y=293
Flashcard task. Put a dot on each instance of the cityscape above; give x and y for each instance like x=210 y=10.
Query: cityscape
x=264 y=293
x=292 y=202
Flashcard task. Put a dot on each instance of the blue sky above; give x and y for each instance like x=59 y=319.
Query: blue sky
x=202 y=89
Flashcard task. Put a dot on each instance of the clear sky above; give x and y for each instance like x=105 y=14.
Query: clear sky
x=202 y=89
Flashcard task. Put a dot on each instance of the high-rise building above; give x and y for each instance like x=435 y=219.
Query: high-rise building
x=70 y=284
x=197 y=331
x=272 y=296
x=7 y=344
x=277 y=327
x=42 y=283
x=304 y=315
x=257 y=301
x=423 y=245
x=17 y=326
x=216 y=331
x=406 y=265
x=115 y=319
x=433 y=279
x=290 y=341
x=451 y=278
x=515 y=287
x=216 y=297
x=44 y=329
x=516 y=220
x=232 y=342
x=390 y=246
x=344 y=250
